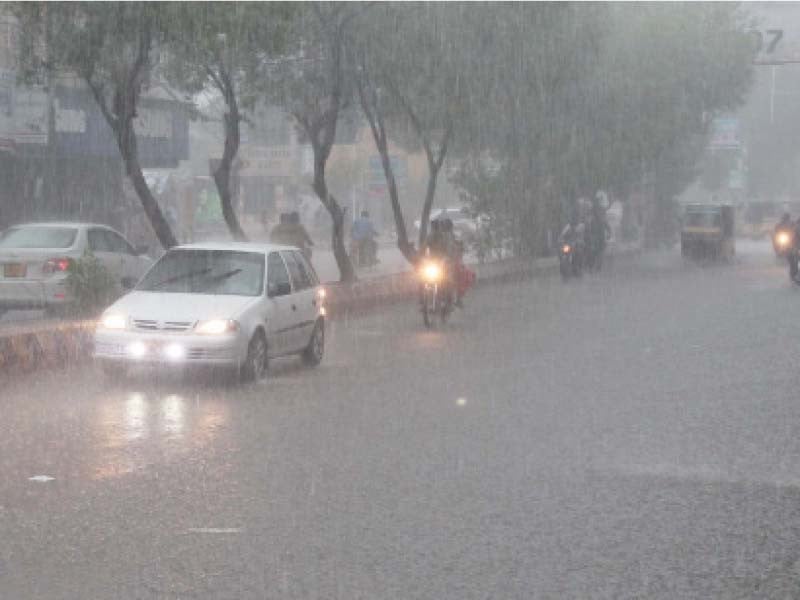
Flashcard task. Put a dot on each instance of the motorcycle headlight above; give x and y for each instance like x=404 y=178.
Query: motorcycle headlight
x=783 y=238
x=114 y=321
x=216 y=327
x=431 y=272
x=566 y=248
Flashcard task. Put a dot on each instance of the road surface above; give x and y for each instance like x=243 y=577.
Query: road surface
x=634 y=434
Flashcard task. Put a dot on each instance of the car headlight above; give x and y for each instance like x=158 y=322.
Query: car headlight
x=431 y=272
x=216 y=326
x=114 y=321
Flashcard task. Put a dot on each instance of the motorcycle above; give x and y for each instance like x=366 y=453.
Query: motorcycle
x=569 y=263
x=436 y=292
x=364 y=252
x=782 y=242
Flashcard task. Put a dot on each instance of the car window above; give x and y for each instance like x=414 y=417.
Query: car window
x=304 y=265
x=300 y=279
x=38 y=237
x=98 y=242
x=276 y=270
x=117 y=243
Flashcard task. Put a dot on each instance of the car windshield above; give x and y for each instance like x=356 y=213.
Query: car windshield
x=214 y=272
x=38 y=237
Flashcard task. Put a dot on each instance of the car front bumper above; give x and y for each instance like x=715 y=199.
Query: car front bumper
x=167 y=350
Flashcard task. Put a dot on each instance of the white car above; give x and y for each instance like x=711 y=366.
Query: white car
x=463 y=222
x=230 y=305
x=35 y=258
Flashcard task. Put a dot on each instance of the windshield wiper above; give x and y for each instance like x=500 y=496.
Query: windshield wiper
x=222 y=276
x=178 y=278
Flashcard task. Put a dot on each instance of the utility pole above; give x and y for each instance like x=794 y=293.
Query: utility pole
x=772 y=97
x=48 y=179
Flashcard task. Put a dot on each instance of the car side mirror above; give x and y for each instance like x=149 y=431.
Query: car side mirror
x=140 y=250
x=279 y=289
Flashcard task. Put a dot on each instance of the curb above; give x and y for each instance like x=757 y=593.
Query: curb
x=49 y=344
x=46 y=346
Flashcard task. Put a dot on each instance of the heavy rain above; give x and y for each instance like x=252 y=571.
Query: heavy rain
x=344 y=300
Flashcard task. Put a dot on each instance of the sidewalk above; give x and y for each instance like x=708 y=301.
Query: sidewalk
x=391 y=261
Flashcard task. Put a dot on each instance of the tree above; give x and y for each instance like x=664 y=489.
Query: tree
x=110 y=46
x=312 y=82
x=411 y=65
x=603 y=97
x=216 y=46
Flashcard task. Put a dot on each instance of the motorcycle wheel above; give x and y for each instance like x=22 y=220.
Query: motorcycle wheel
x=445 y=309
x=428 y=306
x=563 y=267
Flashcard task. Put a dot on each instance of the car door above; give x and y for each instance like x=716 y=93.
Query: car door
x=304 y=300
x=279 y=315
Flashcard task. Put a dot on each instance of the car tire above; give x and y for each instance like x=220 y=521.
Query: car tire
x=256 y=364
x=315 y=350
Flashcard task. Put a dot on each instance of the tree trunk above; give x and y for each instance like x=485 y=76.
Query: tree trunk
x=430 y=193
x=347 y=273
x=405 y=247
x=126 y=140
x=149 y=204
x=222 y=175
x=378 y=128
x=125 y=100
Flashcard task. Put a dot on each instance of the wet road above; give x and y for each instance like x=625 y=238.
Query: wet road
x=634 y=434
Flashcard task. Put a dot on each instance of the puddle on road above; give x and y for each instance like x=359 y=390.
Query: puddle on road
x=133 y=428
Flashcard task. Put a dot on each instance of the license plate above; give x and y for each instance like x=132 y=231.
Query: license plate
x=14 y=270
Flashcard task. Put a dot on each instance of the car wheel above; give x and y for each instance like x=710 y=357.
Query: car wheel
x=313 y=353
x=256 y=363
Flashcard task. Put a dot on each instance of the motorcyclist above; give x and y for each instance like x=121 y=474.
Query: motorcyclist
x=784 y=226
x=597 y=231
x=574 y=234
x=438 y=244
x=794 y=254
x=363 y=235
x=290 y=232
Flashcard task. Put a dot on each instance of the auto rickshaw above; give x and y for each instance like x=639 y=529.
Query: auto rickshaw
x=707 y=232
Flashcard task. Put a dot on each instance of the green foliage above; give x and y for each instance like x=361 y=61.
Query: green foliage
x=567 y=98
x=90 y=285
x=588 y=97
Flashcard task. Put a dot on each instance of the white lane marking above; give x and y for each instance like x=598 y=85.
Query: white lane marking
x=41 y=478
x=214 y=530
